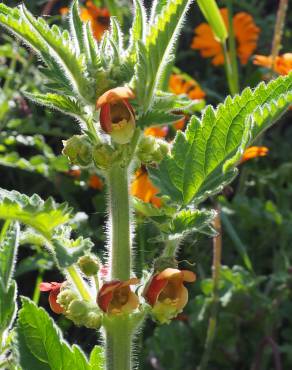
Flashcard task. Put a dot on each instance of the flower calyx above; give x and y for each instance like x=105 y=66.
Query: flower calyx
x=116 y=297
x=117 y=116
x=167 y=294
x=78 y=149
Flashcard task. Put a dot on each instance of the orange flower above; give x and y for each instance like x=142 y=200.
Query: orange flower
x=116 y=297
x=180 y=124
x=143 y=188
x=54 y=289
x=254 y=152
x=117 y=116
x=167 y=294
x=157 y=131
x=98 y=18
x=246 y=34
x=95 y=182
x=282 y=65
x=180 y=85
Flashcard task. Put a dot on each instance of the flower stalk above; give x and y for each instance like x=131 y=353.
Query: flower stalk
x=232 y=50
x=119 y=222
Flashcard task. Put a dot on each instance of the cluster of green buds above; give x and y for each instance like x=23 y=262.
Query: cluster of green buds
x=78 y=150
x=152 y=149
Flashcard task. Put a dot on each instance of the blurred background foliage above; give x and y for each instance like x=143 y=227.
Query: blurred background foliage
x=254 y=329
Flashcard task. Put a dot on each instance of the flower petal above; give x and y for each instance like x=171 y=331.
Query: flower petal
x=113 y=95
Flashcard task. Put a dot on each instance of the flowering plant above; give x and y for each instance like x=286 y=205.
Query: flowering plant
x=114 y=90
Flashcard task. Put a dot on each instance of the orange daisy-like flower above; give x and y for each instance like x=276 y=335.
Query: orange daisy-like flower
x=116 y=297
x=179 y=85
x=157 y=131
x=246 y=34
x=95 y=182
x=282 y=65
x=254 y=152
x=143 y=188
x=99 y=18
x=167 y=294
x=54 y=289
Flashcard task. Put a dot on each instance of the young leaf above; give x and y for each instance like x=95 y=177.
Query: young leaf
x=8 y=253
x=202 y=160
x=138 y=30
x=97 y=358
x=38 y=334
x=76 y=27
x=8 y=289
x=62 y=103
x=43 y=216
x=153 y=58
x=54 y=47
x=67 y=252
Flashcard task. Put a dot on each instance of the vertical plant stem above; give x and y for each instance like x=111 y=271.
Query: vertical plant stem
x=119 y=223
x=36 y=293
x=217 y=252
x=278 y=32
x=228 y=70
x=118 y=345
x=232 y=49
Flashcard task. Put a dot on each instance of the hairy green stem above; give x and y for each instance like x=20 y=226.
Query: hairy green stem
x=216 y=268
x=119 y=222
x=118 y=344
x=37 y=292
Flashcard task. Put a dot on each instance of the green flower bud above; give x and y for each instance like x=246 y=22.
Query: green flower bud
x=65 y=297
x=162 y=263
x=78 y=150
x=89 y=265
x=103 y=156
x=152 y=149
x=77 y=308
x=93 y=320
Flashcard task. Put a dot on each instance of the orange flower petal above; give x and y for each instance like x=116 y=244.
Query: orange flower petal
x=114 y=95
x=157 y=131
x=254 y=152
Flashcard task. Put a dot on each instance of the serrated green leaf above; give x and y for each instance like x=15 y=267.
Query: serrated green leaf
x=55 y=48
x=76 y=27
x=44 y=341
x=43 y=216
x=202 y=160
x=155 y=54
x=97 y=358
x=65 y=104
x=8 y=306
x=191 y=220
x=8 y=252
x=67 y=252
x=156 y=117
x=138 y=30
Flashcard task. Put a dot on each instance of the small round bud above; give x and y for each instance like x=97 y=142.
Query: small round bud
x=103 y=156
x=89 y=265
x=78 y=150
x=77 y=309
x=162 y=263
x=65 y=297
x=93 y=320
x=152 y=149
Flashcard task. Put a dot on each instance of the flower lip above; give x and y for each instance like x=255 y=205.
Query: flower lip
x=168 y=284
x=54 y=289
x=116 y=296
